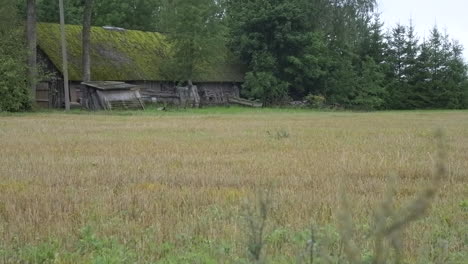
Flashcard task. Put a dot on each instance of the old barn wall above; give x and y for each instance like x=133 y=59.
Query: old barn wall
x=217 y=93
x=211 y=93
x=162 y=92
x=49 y=92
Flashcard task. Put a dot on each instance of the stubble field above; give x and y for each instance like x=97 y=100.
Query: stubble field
x=174 y=187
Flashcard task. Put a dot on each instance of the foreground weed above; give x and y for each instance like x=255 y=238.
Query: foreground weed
x=255 y=216
x=278 y=134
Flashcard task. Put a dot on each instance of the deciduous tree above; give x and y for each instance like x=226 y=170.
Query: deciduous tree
x=197 y=38
x=14 y=92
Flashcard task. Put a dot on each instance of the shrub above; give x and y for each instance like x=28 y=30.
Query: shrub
x=315 y=101
x=14 y=93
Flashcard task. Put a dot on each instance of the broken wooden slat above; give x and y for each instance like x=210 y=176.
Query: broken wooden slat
x=244 y=102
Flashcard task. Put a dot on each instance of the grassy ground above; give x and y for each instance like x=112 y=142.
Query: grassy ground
x=172 y=187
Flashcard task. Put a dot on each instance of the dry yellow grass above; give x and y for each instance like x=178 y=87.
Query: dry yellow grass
x=149 y=179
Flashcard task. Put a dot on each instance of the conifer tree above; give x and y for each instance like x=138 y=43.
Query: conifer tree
x=456 y=78
x=277 y=39
x=396 y=87
x=411 y=51
x=438 y=48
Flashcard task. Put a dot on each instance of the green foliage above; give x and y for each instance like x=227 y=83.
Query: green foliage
x=290 y=49
x=370 y=90
x=294 y=49
x=266 y=86
x=315 y=101
x=427 y=75
x=273 y=39
x=14 y=93
x=40 y=254
x=338 y=49
x=48 y=11
x=197 y=37
x=130 y=14
x=103 y=250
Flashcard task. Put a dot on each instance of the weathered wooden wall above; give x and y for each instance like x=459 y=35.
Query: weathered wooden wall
x=163 y=92
x=217 y=93
x=214 y=93
x=50 y=93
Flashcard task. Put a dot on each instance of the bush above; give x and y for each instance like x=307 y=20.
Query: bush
x=14 y=93
x=315 y=101
x=265 y=86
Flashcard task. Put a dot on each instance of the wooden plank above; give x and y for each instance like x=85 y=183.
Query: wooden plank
x=244 y=102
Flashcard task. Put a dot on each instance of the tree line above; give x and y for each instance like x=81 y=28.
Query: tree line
x=334 y=52
x=338 y=50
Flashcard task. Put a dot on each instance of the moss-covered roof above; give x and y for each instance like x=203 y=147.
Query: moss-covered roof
x=119 y=55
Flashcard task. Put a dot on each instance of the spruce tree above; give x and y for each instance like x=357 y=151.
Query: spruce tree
x=440 y=74
x=411 y=50
x=274 y=39
x=455 y=78
x=371 y=67
x=439 y=49
x=419 y=96
x=396 y=87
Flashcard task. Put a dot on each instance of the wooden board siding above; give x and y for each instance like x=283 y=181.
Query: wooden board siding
x=163 y=92
x=111 y=95
x=42 y=95
x=211 y=93
x=50 y=94
x=75 y=92
x=217 y=93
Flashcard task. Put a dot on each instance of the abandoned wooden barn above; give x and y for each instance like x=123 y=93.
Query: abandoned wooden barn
x=130 y=56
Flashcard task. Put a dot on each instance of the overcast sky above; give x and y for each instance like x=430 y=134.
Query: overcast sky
x=450 y=15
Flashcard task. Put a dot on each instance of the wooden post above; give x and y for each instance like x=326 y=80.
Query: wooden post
x=86 y=58
x=64 y=57
x=32 y=46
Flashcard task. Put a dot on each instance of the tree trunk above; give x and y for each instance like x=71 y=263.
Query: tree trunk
x=64 y=56
x=86 y=60
x=31 y=32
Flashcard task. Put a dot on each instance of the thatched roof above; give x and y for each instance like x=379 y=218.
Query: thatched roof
x=119 y=55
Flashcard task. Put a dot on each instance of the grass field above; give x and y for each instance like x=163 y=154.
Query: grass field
x=173 y=187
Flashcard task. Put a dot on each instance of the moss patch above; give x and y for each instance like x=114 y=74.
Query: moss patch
x=119 y=55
